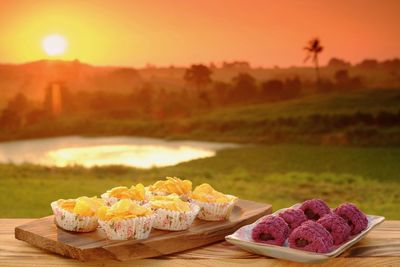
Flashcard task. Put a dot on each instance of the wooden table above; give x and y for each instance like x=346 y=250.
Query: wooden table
x=381 y=247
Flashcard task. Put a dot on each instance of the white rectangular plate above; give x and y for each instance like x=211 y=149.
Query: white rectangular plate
x=242 y=238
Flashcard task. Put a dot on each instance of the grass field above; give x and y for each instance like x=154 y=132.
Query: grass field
x=261 y=123
x=369 y=101
x=280 y=174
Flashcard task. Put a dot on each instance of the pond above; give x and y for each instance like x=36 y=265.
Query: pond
x=100 y=151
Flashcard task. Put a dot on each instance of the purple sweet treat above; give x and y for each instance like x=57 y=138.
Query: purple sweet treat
x=355 y=218
x=293 y=217
x=315 y=209
x=271 y=230
x=337 y=226
x=311 y=236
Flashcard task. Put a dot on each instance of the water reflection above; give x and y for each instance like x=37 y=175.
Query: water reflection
x=90 y=151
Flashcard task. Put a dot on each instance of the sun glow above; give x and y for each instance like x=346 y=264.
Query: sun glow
x=54 y=45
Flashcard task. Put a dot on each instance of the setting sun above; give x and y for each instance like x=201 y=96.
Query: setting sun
x=54 y=45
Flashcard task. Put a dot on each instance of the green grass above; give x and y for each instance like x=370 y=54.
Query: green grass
x=280 y=174
x=248 y=124
x=369 y=101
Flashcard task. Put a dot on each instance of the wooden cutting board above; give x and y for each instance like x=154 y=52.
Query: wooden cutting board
x=43 y=233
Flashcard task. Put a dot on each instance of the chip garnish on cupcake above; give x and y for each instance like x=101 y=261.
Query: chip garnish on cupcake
x=171 y=185
x=172 y=213
x=214 y=205
x=126 y=220
x=77 y=215
x=136 y=193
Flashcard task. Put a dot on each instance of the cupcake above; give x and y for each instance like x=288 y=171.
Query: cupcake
x=271 y=230
x=214 y=205
x=126 y=220
x=315 y=209
x=172 y=213
x=355 y=218
x=77 y=215
x=311 y=236
x=337 y=226
x=136 y=193
x=293 y=217
x=171 y=185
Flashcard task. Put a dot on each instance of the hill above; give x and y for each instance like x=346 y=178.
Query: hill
x=366 y=117
x=371 y=101
x=32 y=78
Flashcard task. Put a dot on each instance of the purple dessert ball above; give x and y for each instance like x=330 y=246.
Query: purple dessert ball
x=311 y=236
x=337 y=226
x=314 y=209
x=271 y=230
x=293 y=217
x=355 y=218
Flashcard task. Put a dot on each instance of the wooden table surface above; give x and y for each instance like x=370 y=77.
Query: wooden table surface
x=381 y=247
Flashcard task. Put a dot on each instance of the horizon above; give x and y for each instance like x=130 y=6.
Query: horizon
x=217 y=64
x=154 y=33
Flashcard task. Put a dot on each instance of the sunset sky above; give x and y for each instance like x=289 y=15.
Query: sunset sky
x=181 y=32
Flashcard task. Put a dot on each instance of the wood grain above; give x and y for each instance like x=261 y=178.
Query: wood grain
x=44 y=234
x=339 y=262
x=379 y=248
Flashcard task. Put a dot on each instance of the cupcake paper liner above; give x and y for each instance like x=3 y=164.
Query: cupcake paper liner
x=112 y=200
x=133 y=228
x=73 y=222
x=174 y=220
x=214 y=211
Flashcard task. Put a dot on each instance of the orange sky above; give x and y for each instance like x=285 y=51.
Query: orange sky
x=182 y=32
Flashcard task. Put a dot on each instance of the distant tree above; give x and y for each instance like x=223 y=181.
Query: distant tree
x=160 y=104
x=325 y=86
x=344 y=81
x=204 y=97
x=99 y=100
x=144 y=97
x=212 y=66
x=341 y=76
x=19 y=103
x=35 y=116
x=368 y=64
x=391 y=64
x=356 y=83
x=313 y=49
x=10 y=119
x=236 y=65
x=272 y=89
x=198 y=75
x=13 y=116
x=338 y=63
x=292 y=88
x=244 y=87
x=220 y=92
x=125 y=74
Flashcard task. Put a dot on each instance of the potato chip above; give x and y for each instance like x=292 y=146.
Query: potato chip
x=170 y=202
x=123 y=209
x=172 y=185
x=122 y=192
x=207 y=193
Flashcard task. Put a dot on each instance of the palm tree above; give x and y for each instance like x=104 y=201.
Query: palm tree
x=313 y=48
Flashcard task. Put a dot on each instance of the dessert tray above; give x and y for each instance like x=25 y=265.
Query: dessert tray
x=242 y=238
x=44 y=233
